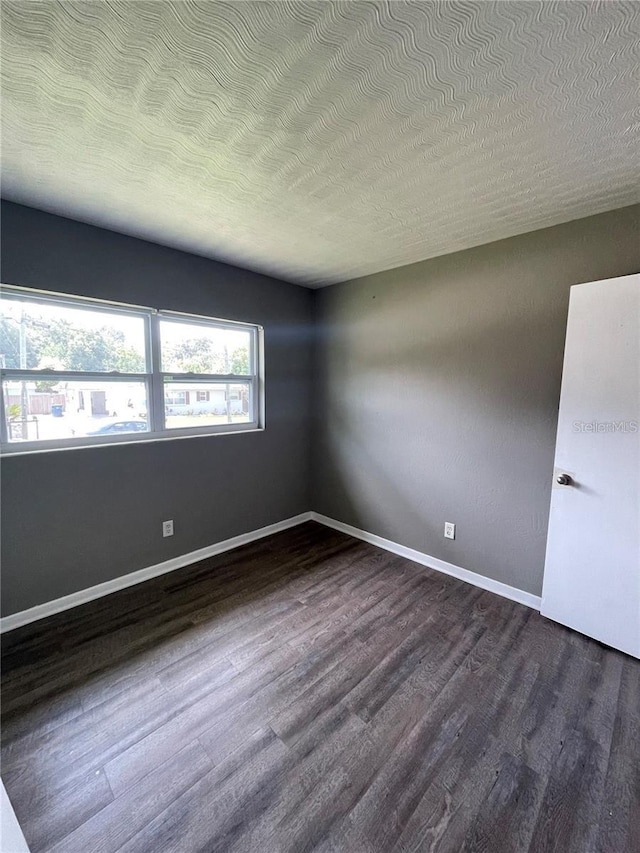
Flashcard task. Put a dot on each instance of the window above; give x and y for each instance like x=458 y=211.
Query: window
x=78 y=371
x=176 y=398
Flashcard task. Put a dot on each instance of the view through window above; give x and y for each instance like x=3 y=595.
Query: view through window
x=76 y=371
x=205 y=353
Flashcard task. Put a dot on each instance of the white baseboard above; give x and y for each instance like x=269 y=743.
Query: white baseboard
x=481 y=581
x=49 y=608
x=41 y=611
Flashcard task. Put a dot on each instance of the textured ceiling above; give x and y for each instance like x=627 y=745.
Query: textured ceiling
x=319 y=141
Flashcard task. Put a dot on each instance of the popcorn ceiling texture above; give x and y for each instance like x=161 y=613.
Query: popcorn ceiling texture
x=321 y=141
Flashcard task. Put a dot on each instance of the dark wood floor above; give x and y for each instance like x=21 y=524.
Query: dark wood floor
x=312 y=692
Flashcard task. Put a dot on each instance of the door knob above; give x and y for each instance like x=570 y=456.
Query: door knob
x=564 y=480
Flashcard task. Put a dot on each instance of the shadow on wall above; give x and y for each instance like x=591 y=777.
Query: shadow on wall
x=437 y=407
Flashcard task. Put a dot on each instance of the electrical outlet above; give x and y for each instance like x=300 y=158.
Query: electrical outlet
x=449 y=530
x=167 y=528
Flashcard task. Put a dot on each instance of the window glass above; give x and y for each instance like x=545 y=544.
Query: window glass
x=43 y=335
x=45 y=410
x=198 y=348
x=207 y=404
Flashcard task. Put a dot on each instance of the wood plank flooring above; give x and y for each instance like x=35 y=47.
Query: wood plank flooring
x=310 y=692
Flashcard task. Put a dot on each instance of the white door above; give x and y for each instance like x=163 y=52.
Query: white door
x=592 y=568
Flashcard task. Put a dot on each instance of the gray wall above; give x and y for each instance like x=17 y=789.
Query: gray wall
x=437 y=388
x=72 y=519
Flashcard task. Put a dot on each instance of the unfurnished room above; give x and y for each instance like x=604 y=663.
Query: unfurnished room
x=320 y=426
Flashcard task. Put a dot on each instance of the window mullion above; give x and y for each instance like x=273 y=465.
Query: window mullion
x=156 y=402
x=16 y=374
x=213 y=378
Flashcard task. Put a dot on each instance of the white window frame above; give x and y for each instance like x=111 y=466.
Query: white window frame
x=153 y=378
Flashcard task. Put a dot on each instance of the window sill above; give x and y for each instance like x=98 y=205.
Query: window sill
x=118 y=441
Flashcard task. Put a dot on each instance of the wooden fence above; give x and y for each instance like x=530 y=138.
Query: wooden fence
x=39 y=404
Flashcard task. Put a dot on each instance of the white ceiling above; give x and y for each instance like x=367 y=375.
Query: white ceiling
x=320 y=141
